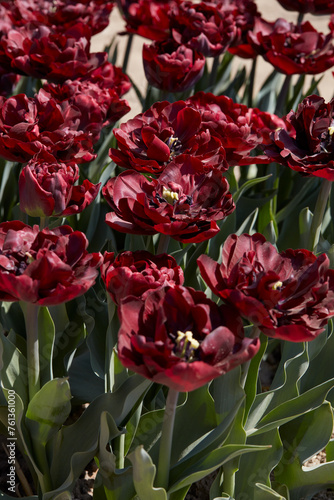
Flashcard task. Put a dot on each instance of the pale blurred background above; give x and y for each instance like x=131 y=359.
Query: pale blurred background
x=270 y=9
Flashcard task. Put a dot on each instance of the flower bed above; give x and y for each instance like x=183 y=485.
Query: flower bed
x=153 y=266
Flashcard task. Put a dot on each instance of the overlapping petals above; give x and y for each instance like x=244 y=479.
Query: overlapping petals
x=172 y=67
x=293 y=49
x=234 y=124
x=244 y=13
x=310 y=149
x=289 y=295
x=47 y=188
x=137 y=273
x=61 y=14
x=148 y=18
x=205 y=26
x=44 y=267
x=184 y=203
x=36 y=50
x=180 y=338
x=29 y=125
x=151 y=140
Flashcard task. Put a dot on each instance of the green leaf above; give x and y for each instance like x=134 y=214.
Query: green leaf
x=143 y=476
x=303 y=438
x=46 y=337
x=263 y=492
x=257 y=467
x=13 y=369
x=293 y=408
x=48 y=410
x=248 y=185
x=180 y=477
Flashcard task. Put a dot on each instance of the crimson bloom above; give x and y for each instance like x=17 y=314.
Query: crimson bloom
x=293 y=49
x=29 y=125
x=44 y=267
x=172 y=67
x=184 y=203
x=205 y=26
x=316 y=7
x=35 y=50
x=180 y=338
x=244 y=13
x=147 y=18
x=137 y=273
x=233 y=123
x=47 y=188
x=310 y=149
x=289 y=295
x=149 y=141
x=62 y=14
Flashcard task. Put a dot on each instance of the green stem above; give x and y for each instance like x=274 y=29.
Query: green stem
x=245 y=367
x=214 y=69
x=228 y=485
x=166 y=439
x=300 y=18
x=31 y=321
x=163 y=243
x=109 y=356
x=44 y=221
x=280 y=105
x=127 y=53
x=318 y=214
x=251 y=83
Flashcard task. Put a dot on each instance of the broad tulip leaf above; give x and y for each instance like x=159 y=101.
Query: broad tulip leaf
x=116 y=486
x=256 y=468
x=13 y=369
x=330 y=451
x=309 y=433
x=143 y=476
x=263 y=492
x=292 y=408
x=181 y=476
x=46 y=338
x=48 y=410
x=303 y=438
x=75 y=445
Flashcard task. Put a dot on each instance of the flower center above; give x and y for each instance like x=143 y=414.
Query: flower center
x=276 y=286
x=169 y=196
x=331 y=130
x=186 y=345
x=174 y=145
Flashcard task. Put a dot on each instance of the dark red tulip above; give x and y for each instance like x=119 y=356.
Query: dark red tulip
x=309 y=149
x=172 y=67
x=151 y=140
x=36 y=50
x=184 y=203
x=61 y=14
x=46 y=267
x=147 y=18
x=293 y=49
x=137 y=273
x=233 y=123
x=180 y=338
x=205 y=26
x=47 y=187
x=289 y=295
x=29 y=125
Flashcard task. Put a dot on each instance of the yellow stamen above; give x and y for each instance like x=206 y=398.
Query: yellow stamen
x=189 y=344
x=169 y=196
x=276 y=285
x=331 y=130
